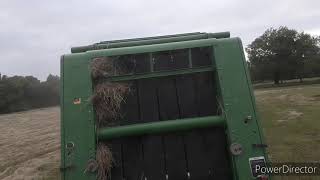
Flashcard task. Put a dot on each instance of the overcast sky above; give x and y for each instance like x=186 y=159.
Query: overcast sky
x=34 y=33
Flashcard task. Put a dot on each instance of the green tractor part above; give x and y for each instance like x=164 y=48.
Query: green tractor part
x=149 y=41
x=190 y=112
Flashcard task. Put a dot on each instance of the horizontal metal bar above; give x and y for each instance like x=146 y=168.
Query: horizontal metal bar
x=153 y=48
x=210 y=35
x=219 y=35
x=137 y=43
x=150 y=41
x=158 y=74
x=150 y=37
x=160 y=127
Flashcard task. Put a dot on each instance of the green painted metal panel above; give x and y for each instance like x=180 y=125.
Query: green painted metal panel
x=158 y=74
x=151 y=37
x=238 y=103
x=219 y=35
x=210 y=35
x=77 y=118
x=151 y=48
x=234 y=92
x=160 y=127
x=62 y=152
x=149 y=41
x=137 y=43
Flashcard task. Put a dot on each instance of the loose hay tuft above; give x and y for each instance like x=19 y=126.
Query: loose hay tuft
x=103 y=162
x=107 y=100
x=101 y=67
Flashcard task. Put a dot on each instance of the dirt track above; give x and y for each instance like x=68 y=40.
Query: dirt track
x=29 y=144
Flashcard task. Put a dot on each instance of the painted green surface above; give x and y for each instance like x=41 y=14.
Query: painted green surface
x=62 y=152
x=160 y=127
x=159 y=74
x=150 y=41
x=151 y=48
x=238 y=102
x=137 y=43
x=77 y=119
x=234 y=91
x=210 y=35
x=152 y=37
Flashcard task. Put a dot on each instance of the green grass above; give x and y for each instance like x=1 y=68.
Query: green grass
x=290 y=117
x=286 y=83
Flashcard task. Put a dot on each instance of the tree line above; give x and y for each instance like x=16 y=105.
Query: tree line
x=282 y=54
x=278 y=54
x=19 y=93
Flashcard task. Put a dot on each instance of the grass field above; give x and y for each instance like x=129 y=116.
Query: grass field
x=287 y=83
x=290 y=116
x=30 y=145
x=291 y=122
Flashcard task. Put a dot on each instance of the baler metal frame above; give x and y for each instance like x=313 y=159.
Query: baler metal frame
x=239 y=117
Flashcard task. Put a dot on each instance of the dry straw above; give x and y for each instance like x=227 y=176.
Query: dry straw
x=107 y=100
x=102 y=164
x=104 y=67
x=101 y=67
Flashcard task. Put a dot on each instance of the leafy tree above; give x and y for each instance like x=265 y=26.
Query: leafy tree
x=21 y=93
x=281 y=54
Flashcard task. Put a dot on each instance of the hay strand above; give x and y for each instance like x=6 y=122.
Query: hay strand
x=107 y=100
x=101 y=67
x=103 y=162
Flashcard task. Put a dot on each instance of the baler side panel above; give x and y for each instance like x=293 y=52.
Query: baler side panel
x=237 y=103
x=78 y=145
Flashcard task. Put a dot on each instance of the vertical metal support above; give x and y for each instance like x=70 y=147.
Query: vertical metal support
x=77 y=147
x=62 y=152
x=114 y=65
x=190 y=58
x=238 y=103
x=151 y=60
